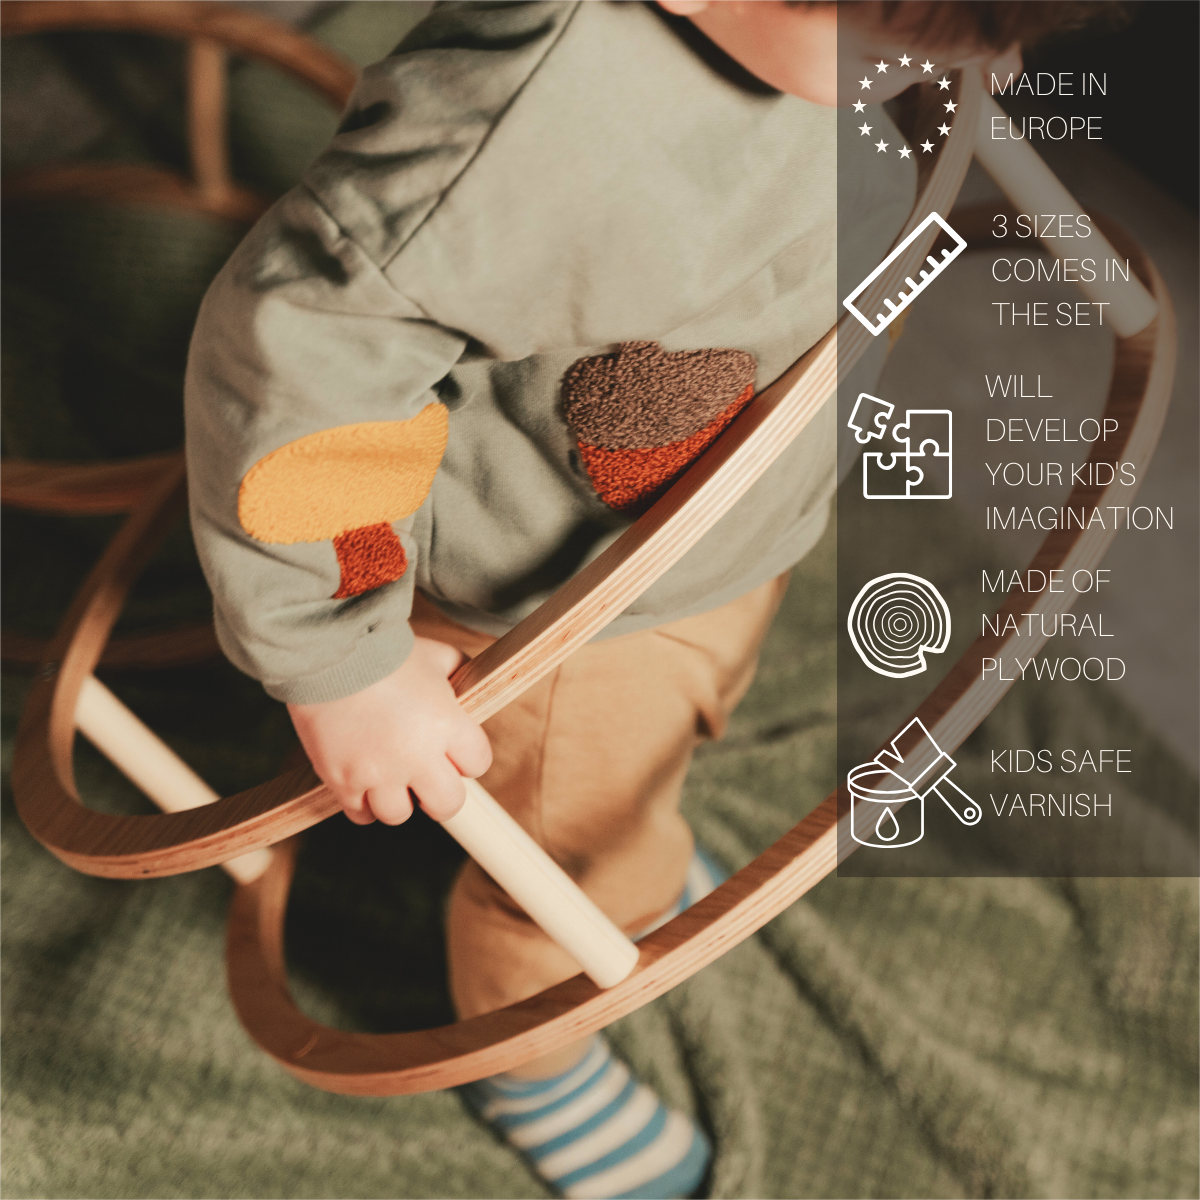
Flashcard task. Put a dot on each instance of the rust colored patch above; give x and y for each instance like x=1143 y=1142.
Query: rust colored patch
x=631 y=479
x=369 y=557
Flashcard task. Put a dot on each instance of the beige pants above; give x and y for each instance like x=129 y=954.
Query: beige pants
x=591 y=761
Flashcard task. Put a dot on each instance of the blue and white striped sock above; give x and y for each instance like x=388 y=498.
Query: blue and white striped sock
x=594 y=1131
x=704 y=874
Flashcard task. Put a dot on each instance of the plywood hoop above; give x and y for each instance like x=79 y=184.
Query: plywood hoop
x=130 y=847
x=210 y=31
x=424 y=1060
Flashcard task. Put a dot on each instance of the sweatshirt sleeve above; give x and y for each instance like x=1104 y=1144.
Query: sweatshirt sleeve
x=314 y=431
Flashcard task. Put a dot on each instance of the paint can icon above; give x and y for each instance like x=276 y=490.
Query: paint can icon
x=885 y=812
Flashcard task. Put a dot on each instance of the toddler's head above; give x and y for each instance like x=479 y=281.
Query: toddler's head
x=819 y=51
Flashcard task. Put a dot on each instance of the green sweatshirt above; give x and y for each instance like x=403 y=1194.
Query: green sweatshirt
x=552 y=250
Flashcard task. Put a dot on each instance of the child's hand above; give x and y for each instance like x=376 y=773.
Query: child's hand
x=406 y=731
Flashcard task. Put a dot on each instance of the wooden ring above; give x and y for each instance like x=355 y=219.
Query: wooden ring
x=425 y=1060
x=118 y=487
x=131 y=847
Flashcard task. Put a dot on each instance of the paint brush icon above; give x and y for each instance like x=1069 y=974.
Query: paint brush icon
x=917 y=760
x=913 y=768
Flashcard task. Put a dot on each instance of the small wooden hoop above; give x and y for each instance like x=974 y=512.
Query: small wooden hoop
x=128 y=847
x=209 y=30
x=426 y=1060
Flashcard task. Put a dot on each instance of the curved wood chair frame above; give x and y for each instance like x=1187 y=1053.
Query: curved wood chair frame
x=131 y=847
x=210 y=31
x=100 y=489
x=425 y=1060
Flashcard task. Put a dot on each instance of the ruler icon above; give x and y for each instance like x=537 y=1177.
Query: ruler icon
x=916 y=287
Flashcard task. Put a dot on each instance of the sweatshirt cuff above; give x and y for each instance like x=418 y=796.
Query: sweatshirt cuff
x=376 y=655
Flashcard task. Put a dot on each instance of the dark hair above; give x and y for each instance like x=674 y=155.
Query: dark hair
x=997 y=23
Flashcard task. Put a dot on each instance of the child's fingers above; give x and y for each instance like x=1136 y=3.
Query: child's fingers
x=360 y=816
x=470 y=752
x=390 y=803
x=440 y=790
x=354 y=805
x=445 y=657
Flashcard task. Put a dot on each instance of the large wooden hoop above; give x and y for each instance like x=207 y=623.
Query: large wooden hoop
x=425 y=1060
x=129 y=847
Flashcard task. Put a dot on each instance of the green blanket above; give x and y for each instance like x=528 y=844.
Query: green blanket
x=925 y=1038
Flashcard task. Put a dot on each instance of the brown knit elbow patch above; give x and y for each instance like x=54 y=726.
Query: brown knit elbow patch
x=641 y=416
x=368 y=557
x=631 y=480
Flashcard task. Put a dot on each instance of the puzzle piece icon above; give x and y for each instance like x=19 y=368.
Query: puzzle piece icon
x=874 y=412
x=932 y=480
x=925 y=431
x=888 y=477
x=914 y=458
x=920 y=466
x=928 y=434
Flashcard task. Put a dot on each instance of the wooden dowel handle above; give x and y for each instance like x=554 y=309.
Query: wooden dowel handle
x=487 y=833
x=541 y=887
x=1033 y=188
x=151 y=764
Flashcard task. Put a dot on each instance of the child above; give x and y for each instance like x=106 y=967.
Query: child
x=551 y=253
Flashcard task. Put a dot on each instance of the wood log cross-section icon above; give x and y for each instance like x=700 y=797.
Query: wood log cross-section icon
x=347 y=485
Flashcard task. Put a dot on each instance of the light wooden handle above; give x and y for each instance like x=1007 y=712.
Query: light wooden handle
x=1033 y=188
x=151 y=764
x=487 y=833
x=541 y=887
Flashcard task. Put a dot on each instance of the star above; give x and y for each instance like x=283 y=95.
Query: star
x=951 y=106
x=944 y=84
x=881 y=67
x=864 y=82
x=927 y=67
x=943 y=130
x=905 y=152
x=927 y=147
x=864 y=129
x=859 y=106
x=904 y=60
x=881 y=146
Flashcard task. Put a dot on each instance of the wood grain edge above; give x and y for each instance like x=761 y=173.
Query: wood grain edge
x=129 y=184
x=42 y=772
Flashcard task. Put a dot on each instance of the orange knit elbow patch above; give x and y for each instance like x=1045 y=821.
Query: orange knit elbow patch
x=347 y=484
x=328 y=483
